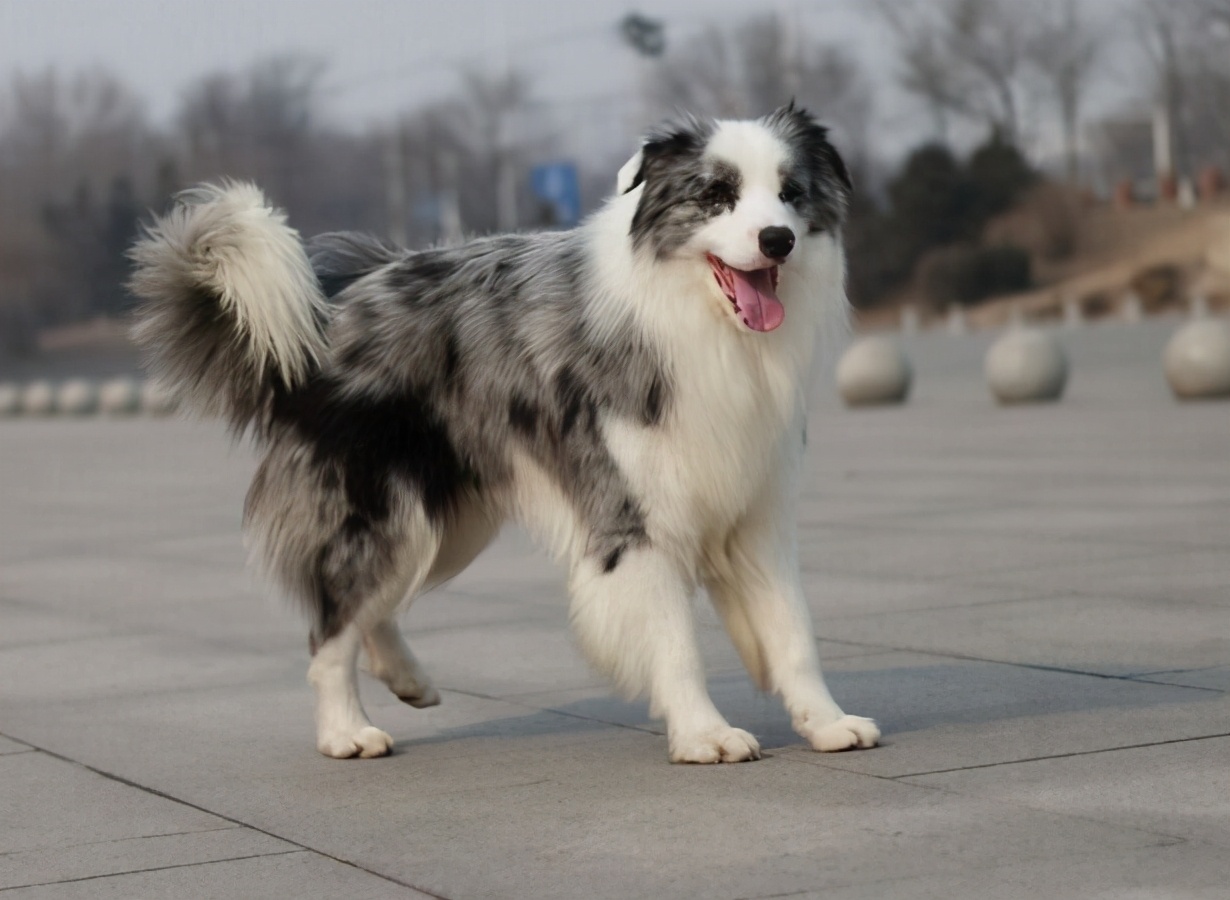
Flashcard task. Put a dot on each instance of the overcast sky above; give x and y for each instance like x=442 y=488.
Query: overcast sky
x=386 y=55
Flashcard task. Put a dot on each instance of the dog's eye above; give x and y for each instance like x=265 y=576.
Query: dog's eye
x=791 y=191
x=720 y=194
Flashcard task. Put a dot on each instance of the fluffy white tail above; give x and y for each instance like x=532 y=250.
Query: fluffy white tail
x=231 y=309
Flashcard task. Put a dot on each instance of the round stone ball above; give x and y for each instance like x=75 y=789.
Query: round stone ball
x=1197 y=360
x=38 y=398
x=156 y=400
x=119 y=397
x=873 y=372
x=77 y=397
x=10 y=399
x=1026 y=366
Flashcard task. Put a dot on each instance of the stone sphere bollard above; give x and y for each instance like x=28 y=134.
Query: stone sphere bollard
x=77 y=397
x=874 y=372
x=38 y=399
x=1026 y=366
x=1197 y=360
x=155 y=400
x=119 y=397
x=10 y=399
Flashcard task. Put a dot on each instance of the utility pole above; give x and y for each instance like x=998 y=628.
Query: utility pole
x=395 y=185
x=790 y=27
x=449 y=206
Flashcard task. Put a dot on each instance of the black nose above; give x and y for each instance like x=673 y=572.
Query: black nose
x=776 y=242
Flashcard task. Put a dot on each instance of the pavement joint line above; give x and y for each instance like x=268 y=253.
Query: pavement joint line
x=1165 y=843
x=808 y=754
x=1040 y=667
x=26 y=744
x=550 y=709
x=1174 y=671
x=1166 y=839
x=1033 y=598
x=208 y=862
x=990 y=573
x=1074 y=753
x=135 y=837
x=930 y=527
x=1068 y=594
x=111 y=776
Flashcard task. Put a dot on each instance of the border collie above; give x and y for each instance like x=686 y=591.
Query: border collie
x=633 y=391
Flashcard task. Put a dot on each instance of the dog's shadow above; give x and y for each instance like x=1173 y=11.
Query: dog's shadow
x=901 y=699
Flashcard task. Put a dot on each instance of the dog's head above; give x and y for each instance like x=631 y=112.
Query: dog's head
x=741 y=195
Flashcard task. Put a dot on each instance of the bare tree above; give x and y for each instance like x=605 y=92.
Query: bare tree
x=703 y=77
x=964 y=57
x=1188 y=46
x=1065 y=49
x=256 y=124
x=69 y=150
x=745 y=72
x=466 y=156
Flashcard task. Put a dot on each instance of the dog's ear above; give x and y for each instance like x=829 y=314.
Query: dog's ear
x=631 y=173
x=801 y=129
x=659 y=148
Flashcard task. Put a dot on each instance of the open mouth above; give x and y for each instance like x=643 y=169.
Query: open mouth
x=752 y=294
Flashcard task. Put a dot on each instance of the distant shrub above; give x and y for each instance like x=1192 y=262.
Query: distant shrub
x=997 y=174
x=968 y=275
x=1159 y=287
x=1097 y=305
x=934 y=202
x=1046 y=221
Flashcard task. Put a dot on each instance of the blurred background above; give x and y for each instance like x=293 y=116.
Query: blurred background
x=1009 y=154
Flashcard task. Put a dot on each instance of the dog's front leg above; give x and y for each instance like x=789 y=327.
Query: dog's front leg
x=757 y=590
x=632 y=615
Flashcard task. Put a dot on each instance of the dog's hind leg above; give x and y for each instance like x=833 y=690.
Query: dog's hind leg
x=632 y=614
x=342 y=726
x=468 y=531
x=391 y=660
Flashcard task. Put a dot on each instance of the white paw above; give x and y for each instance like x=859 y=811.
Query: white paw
x=724 y=744
x=848 y=732
x=420 y=696
x=368 y=742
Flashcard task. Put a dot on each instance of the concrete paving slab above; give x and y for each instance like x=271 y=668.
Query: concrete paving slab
x=97 y=668
x=1185 y=525
x=30 y=623
x=63 y=822
x=1180 y=789
x=939 y=714
x=1194 y=574
x=1108 y=635
x=834 y=595
x=298 y=874
x=609 y=814
x=1214 y=678
x=53 y=803
x=622 y=825
x=156 y=851
x=937 y=555
x=9 y=746
x=1169 y=871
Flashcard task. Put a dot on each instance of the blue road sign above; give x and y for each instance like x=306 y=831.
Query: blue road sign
x=556 y=183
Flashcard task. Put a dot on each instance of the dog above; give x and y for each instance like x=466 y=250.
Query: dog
x=633 y=391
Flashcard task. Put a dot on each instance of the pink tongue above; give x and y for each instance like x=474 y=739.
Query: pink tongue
x=758 y=304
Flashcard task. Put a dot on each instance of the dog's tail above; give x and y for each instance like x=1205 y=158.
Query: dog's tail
x=231 y=311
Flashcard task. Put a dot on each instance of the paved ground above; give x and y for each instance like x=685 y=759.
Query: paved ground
x=1034 y=603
